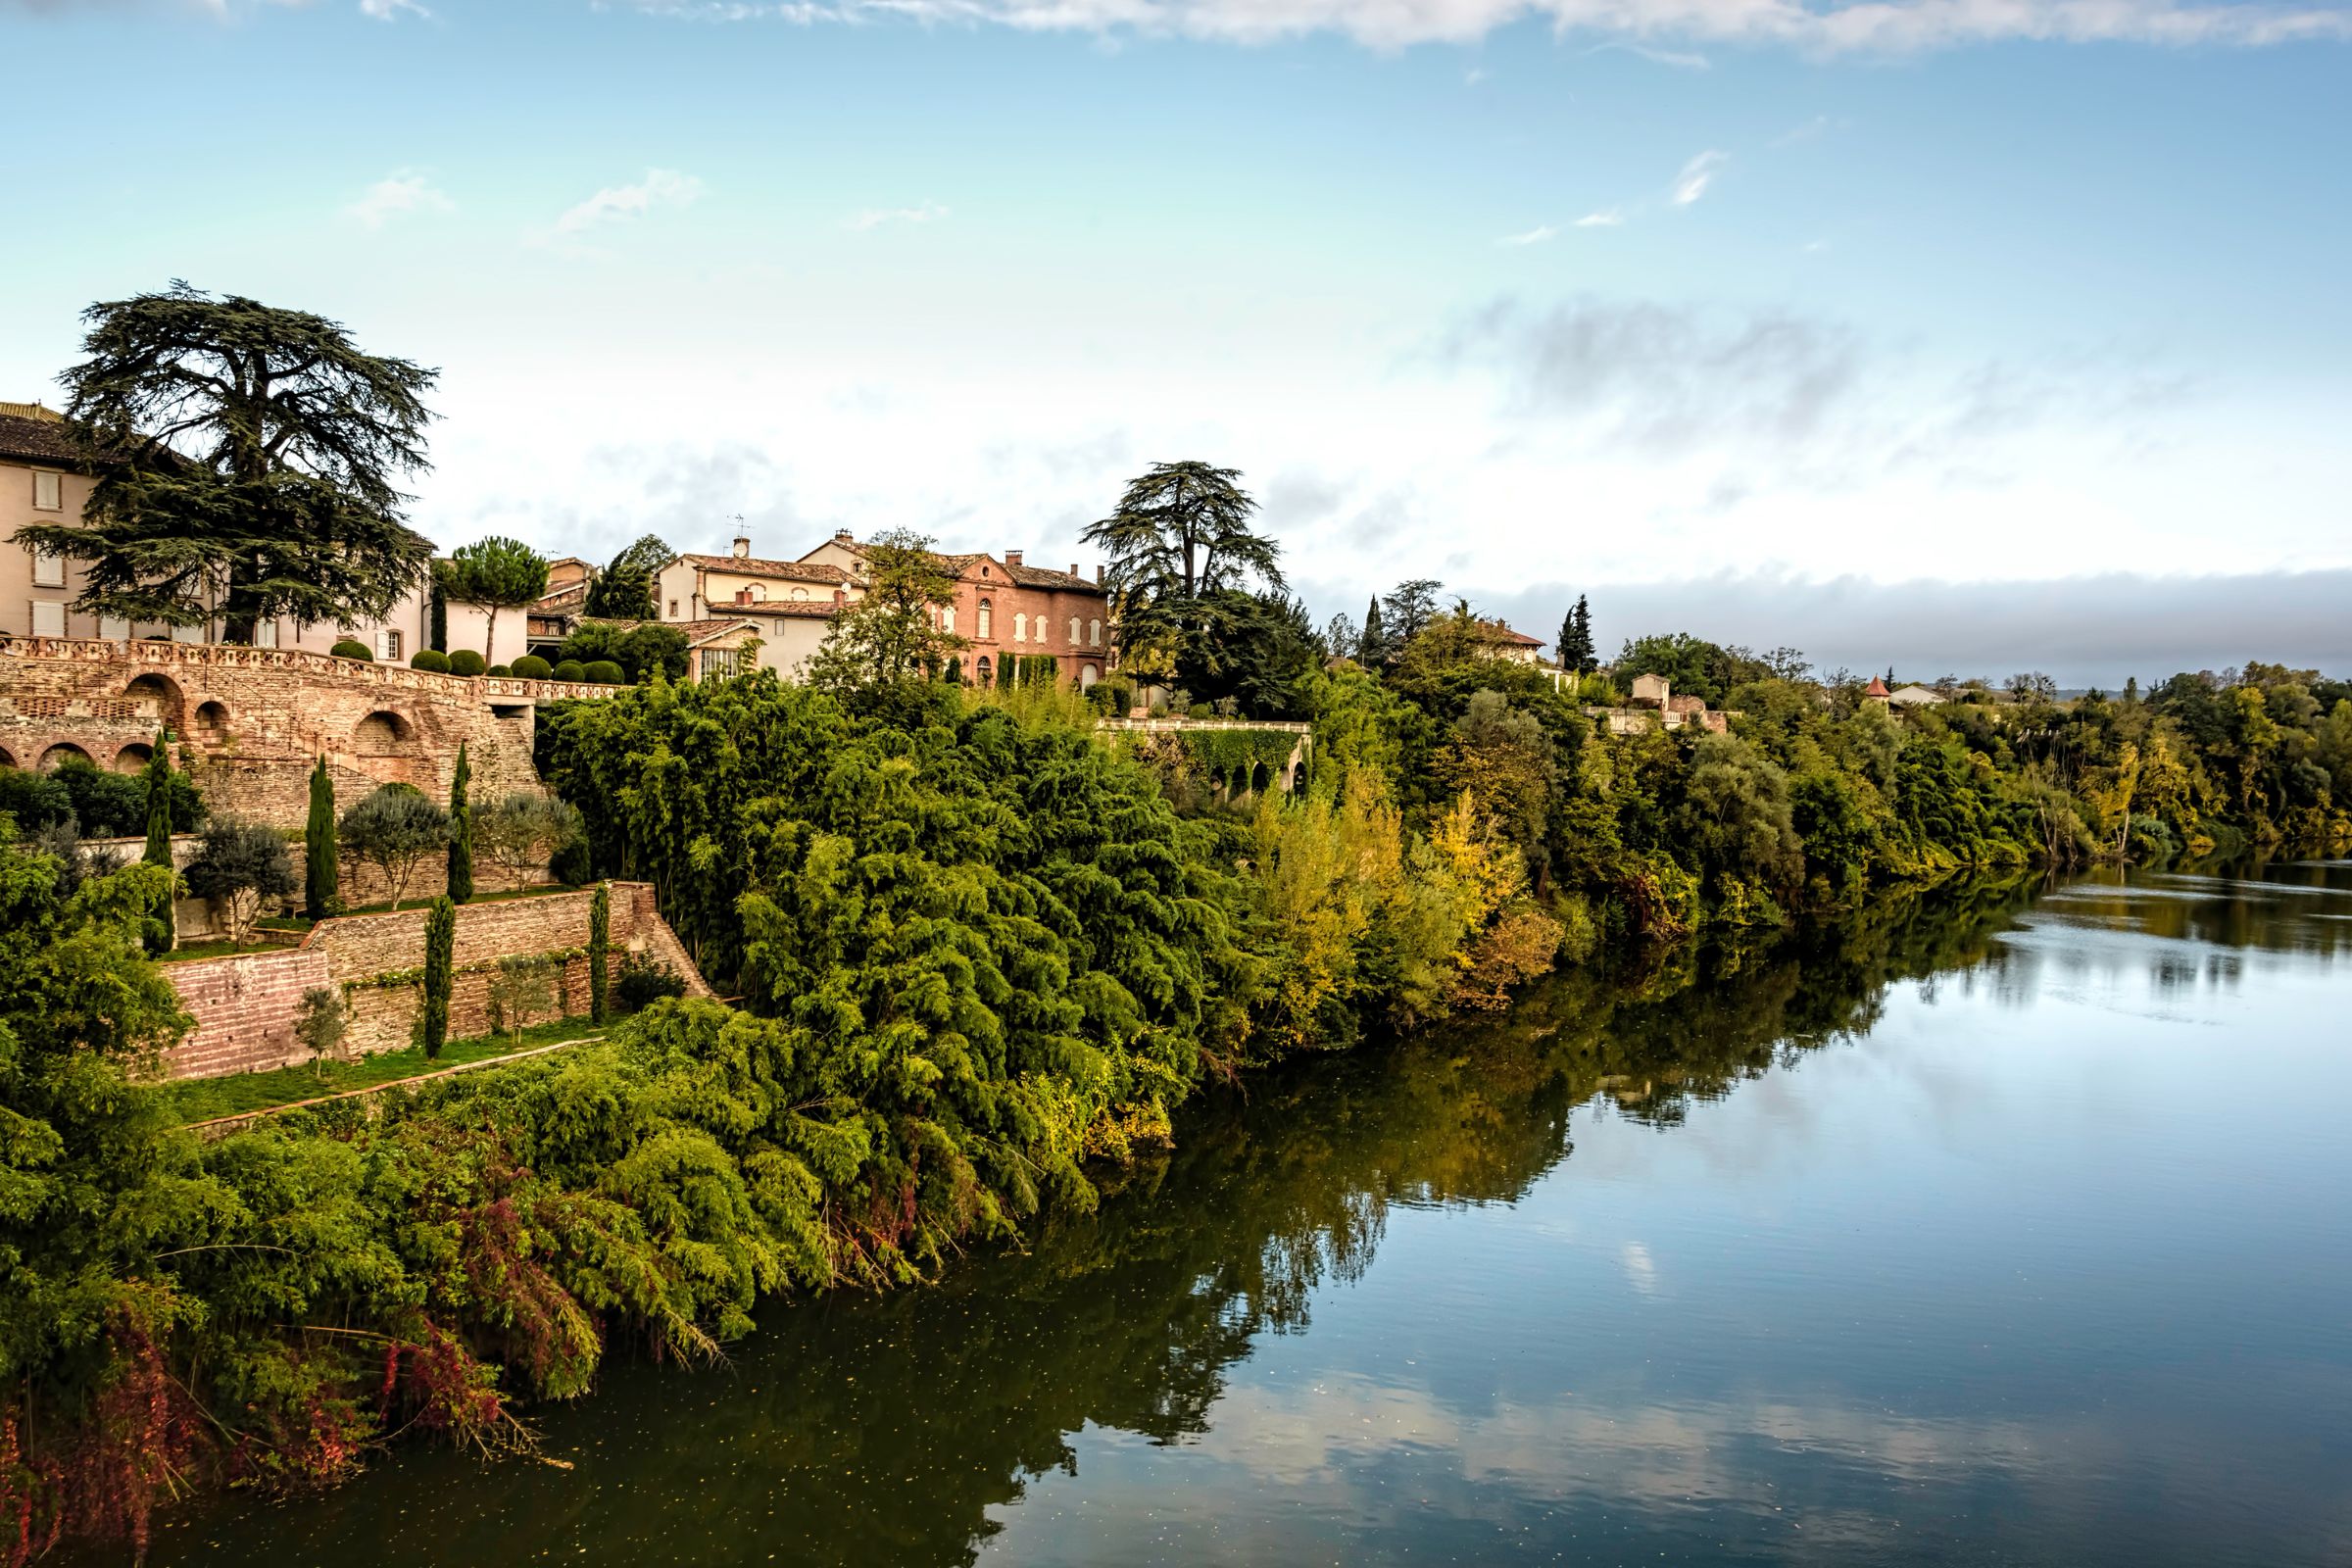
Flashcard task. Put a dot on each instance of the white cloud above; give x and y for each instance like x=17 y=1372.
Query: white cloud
x=390 y=9
x=875 y=217
x=1679 y=60
x=397 y=195
x=1534 y=236
x=1607 y=217
x=661 y=187
x=1820 y=26
x=1696 y=175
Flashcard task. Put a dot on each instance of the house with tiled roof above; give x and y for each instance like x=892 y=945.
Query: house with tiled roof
x=1006 y=609
x=1500 y=641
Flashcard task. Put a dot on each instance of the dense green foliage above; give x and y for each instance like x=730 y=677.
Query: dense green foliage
x=639 y=651
x=531 y=667
x=466 y=661
x=394 y=828
x=430 y=660
x=624 y=589
x=98 y=804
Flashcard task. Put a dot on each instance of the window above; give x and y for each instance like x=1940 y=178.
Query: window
x=48 y=618
x=387 y=647
x=1094 y=634
x=1021 y=627
x=188 y=634
x=721 y=663
x=264 y=634
x=48 y=491
x=113 y=628
x=674 y=609
x=947 y=620
x=984 y=670
x=1074 y=631
x=800 y=593
x=48 y=569
x=988 y=615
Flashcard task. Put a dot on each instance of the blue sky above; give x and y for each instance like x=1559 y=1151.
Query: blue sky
x=1743 y=315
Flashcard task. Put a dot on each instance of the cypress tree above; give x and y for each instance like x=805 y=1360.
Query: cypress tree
x=1372 y=650
x=160 y=933
x=600 y=941
x=440 y=945
x=322 y=869
x=460 y=833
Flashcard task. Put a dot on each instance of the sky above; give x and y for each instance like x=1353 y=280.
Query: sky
x=1954 y=335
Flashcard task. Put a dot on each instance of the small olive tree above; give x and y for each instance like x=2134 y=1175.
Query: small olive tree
x=522 y=832
x=395 y=829
x=241 y=864
x=321 y=1024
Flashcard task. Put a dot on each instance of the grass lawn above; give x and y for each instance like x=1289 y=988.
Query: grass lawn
x=204 y=1098
x=419 y=899
x=190 y=952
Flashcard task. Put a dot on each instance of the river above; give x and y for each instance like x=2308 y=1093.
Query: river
x=1988 y=1228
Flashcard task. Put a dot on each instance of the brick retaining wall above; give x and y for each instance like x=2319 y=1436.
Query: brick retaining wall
x=245 y=1007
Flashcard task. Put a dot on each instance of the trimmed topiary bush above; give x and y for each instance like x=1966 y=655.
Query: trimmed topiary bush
x=431 y=659
x=605 y=673
x=500 y=670
x=349 y=648
x=531 y=667
x=571 y=670
x=466 y=661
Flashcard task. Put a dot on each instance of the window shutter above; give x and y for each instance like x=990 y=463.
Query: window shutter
x=47 y=491
x=48 y=619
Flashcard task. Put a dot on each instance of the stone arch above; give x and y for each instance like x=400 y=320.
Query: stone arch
x=1088 y=676
x=1260 y=775
x=133 y=756
x=63 y=751
x=386 y=746
x=165 y=690
x=1298 y=776
x=8 y=759
x=212 y=722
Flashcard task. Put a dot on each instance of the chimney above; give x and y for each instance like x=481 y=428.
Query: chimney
x=1012 y=557
x=843 y=536
x=1097 y=574
x=1073 y=569
x=743 y=547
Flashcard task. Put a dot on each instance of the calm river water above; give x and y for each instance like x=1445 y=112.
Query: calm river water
x=1987 y=1230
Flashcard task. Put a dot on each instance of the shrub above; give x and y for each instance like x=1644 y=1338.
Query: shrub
x=571 y=670
x=643 y=981
x=573 y=864
x=241 y=864
x=501 y=669
x=431 y=659
x=531 y=667
x=113 y=805
x=394 y=829
x=466 y=661
x=321 y=1024
x=519 y=833
x=519 y=987
x=35 y=799
x=347 y=647
x=605 y=673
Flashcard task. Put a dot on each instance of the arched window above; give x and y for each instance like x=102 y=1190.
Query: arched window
x=1021 y=627
x=985 y=671
x=1040 y=628
x=1094 y=634
x=947 y=620
x=988 y=615
x=800 y=593
x=1073 y=631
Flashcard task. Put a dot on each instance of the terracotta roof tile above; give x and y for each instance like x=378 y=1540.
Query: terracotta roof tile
x=760 y=566
x=44 y=437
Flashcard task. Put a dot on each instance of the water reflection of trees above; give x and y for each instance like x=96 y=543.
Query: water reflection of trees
x=883 y=1430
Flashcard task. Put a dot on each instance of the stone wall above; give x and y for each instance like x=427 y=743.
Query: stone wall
x=245 y=1007
x=250 y=721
